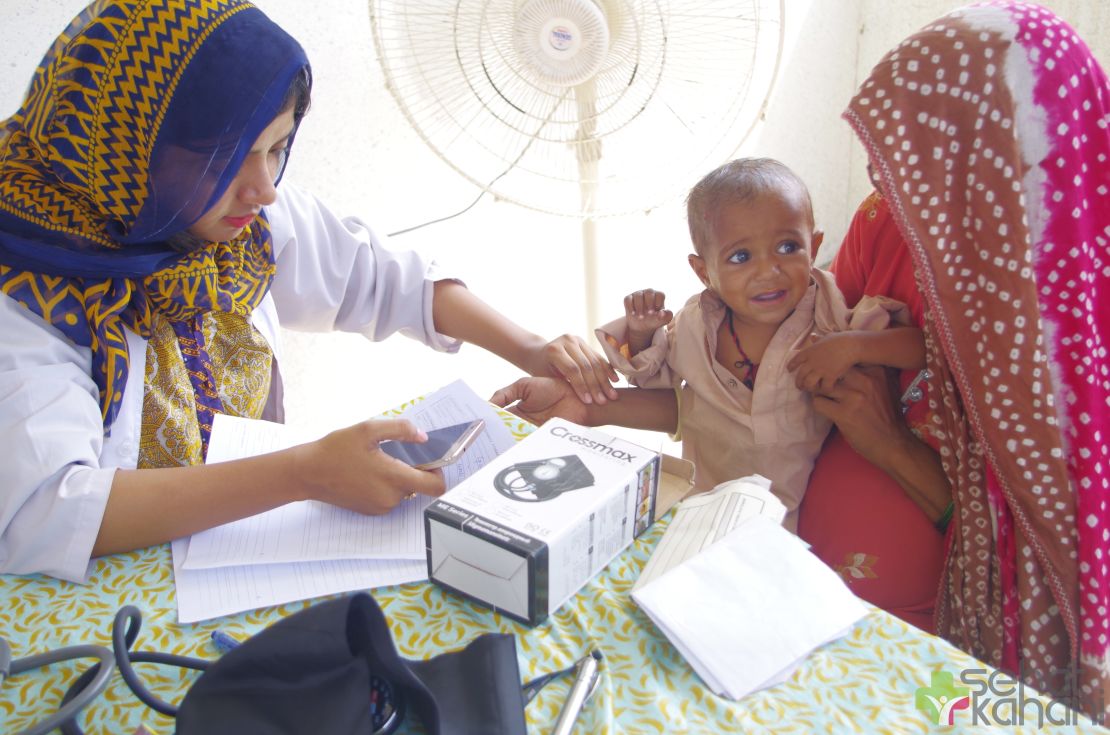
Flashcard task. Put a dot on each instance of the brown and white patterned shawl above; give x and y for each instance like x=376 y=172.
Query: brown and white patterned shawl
x=989 y=130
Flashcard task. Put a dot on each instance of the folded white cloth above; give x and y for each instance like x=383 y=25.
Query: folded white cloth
x=748 y=610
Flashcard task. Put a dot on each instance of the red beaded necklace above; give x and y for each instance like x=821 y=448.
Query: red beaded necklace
x=745 y=362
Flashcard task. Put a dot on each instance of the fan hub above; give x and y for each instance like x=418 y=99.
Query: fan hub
x=561 y=42
x=563 y=38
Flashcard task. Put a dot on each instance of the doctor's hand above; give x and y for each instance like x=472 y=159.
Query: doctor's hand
x=346 y=468
x=538 y=399
x=569 y=357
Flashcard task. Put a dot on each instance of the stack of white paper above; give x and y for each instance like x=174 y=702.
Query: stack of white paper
x=310 y=549
x=704 y=519
x=746 y=611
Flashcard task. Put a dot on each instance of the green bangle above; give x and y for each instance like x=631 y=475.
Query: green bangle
x=945 y=518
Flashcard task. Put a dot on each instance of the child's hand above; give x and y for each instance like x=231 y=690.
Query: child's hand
x=820 y=365
x=538 y=399
x=644 y=312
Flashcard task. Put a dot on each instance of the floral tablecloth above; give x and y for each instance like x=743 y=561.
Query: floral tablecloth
x=876 y=679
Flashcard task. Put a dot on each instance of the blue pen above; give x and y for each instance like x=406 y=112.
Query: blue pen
x=223 y=641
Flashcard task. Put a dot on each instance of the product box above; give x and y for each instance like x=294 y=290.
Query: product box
x=525 y=532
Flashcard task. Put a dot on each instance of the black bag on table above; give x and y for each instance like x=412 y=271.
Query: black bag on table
x=333 y=668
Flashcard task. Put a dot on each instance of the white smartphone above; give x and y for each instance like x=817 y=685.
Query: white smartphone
x=443 y=447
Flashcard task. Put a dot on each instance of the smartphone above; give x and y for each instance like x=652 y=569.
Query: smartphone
x=443 y=447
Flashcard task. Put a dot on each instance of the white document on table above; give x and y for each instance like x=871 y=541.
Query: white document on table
x=209 y=593
x=280 y=557
x=748 y=610
x=701 y=520
x=312 y=531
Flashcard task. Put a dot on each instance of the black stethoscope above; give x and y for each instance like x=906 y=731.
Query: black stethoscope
x=90 y=684
x=386 y=707
x=386 y=704
x=73 y=702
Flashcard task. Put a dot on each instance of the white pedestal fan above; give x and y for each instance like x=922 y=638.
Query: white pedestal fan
x=584 y=108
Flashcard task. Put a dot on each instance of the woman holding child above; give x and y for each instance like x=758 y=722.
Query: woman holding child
x=988 y=134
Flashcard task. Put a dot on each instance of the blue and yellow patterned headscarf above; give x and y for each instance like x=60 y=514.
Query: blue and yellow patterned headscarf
x=134 y=125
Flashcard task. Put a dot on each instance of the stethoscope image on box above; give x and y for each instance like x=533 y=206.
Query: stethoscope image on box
x=543 y=479
x=386 y=704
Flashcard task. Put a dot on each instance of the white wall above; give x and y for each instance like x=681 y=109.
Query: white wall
x=357 y=152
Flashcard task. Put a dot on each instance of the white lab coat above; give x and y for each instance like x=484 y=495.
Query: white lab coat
x=332 y=274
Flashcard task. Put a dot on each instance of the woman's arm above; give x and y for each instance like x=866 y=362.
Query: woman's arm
x=863 y=409
x=335 y=273
x=62 y=500
x=461 y=315
x=345 y=468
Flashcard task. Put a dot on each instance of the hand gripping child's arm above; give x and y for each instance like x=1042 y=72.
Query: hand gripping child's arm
x=818 y=366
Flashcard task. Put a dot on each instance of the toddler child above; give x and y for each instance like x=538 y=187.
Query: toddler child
x=744 y=355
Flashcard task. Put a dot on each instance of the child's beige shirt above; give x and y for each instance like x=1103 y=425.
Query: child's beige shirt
x=727 y=430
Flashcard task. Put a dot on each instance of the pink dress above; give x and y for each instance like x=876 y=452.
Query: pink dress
x=855 y=517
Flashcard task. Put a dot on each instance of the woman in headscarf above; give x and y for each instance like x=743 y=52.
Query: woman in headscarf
x=146 y=261
x=988 y=134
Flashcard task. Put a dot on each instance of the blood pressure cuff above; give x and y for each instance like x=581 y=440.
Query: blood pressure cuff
x=312 y=673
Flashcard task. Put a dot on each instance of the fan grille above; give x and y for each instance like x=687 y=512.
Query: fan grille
x=677 y=92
